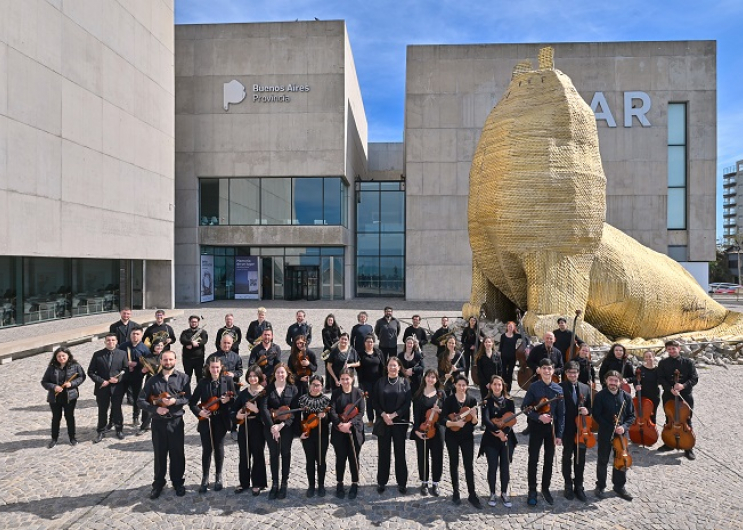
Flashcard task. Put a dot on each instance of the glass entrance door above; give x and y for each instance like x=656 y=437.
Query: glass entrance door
x=302 y=282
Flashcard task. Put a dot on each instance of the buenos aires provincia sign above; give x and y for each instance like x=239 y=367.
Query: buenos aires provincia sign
x=235 y=93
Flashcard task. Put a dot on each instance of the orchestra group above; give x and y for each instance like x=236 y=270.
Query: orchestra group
x=276 y=401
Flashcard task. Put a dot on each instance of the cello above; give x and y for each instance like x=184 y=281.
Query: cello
x=525 y=375
x=643 y=431
x=676 y=432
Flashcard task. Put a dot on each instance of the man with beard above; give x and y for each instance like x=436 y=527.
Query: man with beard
x=193 y=339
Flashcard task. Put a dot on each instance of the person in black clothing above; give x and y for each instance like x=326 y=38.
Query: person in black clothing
x=546 y=427
x=159 y=330
x=123 y=327
x=392 y=399
x=62 y=378
x=440 y=336
x=133 y=378
x=267 y=355
x=167 y=422
x=300 y=327
x=341 y=357
x=460 y=437
x=278 y=429
x=427 y=402
x=508 y=342
x=450 y=365
x=618 y=360
x=107 y=367
x=347 y=436
x=546 y=351
x=688 y=377
x=232 y=363
x=371 y=370
x=488 y=362
x=412 y=363
x=387 y=329
x=562 y=336
x=416 y=331
x=470 y=343
x=257 y=327
x=577 y=401
x=315 y=440
x=331 y=333
x=587 y=373
x=360 y=331
x=193 y=340
x=229 y=328
x=307 y=364
x=251 y=439
x=213 y=425
x=150 y=367
x=649 y=385
x=613 y=410
x=497 y=443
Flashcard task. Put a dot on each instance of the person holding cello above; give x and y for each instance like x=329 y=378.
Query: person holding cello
x=648 y=383
x=498 y=441
x=347 y=435
x=688 y=377
x=613 y=410
x=251 y=438
x=427 y=433
x=315 y=432
x=575 y=441
x=545 y=411
x=303 y=363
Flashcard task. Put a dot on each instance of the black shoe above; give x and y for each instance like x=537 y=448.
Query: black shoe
x=204 y=484
x=624 y=494
x=135 y=419
x=321 y=491
x=256 y=492
x=310 y=492
x=120 y=435
x=108 y=428
x=282 y=491
x=99 y=437
x=532 y=498
x=547 y=496
x=455 y=498
x=273 y=493
x=73 y=442
x=380 y=489
x=353 y=492
x=569 y=495
x=690 y=454
x=339 y=491
x=663 y=448
x=581 y=495
x=424 y=489
x=180 y=491
x=475 y=501
x=434 y=490
x=218 y=482
x=51 y=444
x=155 y=493
x=239 y=490
x=599 y=492
x=402 y=489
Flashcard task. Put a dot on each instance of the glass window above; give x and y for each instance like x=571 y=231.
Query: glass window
x=8 y=292
x=47 y=288
x=677 y=166
x=676 y=124
x=677 y=162
x=338 y=275
x=278 y=278
x=678 y=252
x=393 y=212
x=276 y=201
x=307 y=203
x=344 y=203
x=326 y=279
x=676 y=208
x=209 y=201
x=392 y=245
x=392 y=276
x=332 y=201
x=332 y=251
x=367 y=212
x=367 y=276
x=94 y=285
x=389 y=186
x=245 y=198
x=367 y=245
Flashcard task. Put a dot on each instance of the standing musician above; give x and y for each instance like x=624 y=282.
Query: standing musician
x=107 y=367
x=232 y=363
x=562 y=336
x=331 y=333
x=164 y=396
x=150 y=366
x=440 y=336
x=300 y=327
x=687 y=379
x=430 y=450
x=649 y=384
x=613 y=409
x=470 y=339
x=388 y=329
x=231 y=329
x=489 y=363
x=256 y=327
x=412 y=363
x=371 y=370
x=450 y=364
x=618 y=360
x=416 y=331
x=315 y=440
x=62 y=378
x=587 y=373
x=460 y=437
x=267 y=355
x=122 y=328
x=213 y=425
x=133 y=378
x=546 y=428
x=577 y=402
x=391 y=402
x=508 y=341
x=193 y=340
x=251 y=438
x=341 y=357
x=546 y=350
x=159 y=330
x=278 y=429
x=360 y=331
x=307 y=364
x=498 y=443
x=347 y=435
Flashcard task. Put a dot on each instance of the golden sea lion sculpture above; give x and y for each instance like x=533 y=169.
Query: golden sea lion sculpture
x=537 y=211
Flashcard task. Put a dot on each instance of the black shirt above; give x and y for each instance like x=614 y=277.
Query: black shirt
x=372 y=366
x=508 y=346
x=452 y=406
x=177 y=385
x=237 y=336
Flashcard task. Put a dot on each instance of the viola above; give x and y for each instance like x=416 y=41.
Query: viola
x=583 y=434
x=299 y=369
x=312 y=421
x=462 y=416
x=262 y=360
x=622 y=458
x=283 y=413
x=676 y=432
x=525 y=375
x=352 y=409
x=432 y=417
x=643 y=431
x=158 y=399
x=245 y=408
x=212 y=404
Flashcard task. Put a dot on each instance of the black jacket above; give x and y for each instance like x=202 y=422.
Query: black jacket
x=358 y=336
x=274 y=400
x=273 y=357
x=536 y=392
x=539 y=352
x=100 y=371
x=204 y=391
x=387 y=332
x=372 y=366
x=187 y=337
x=231 y=362
x=391 y=398
x=606 y=407
x=299 y=329
x=624 y=367
x=571 y=409
x=149 y=333
x=492 y=410
x=237 y=335
x=122 y=331
x=256 y=329
x=338 y=402
x=688 y=375
x=419 y=333
x=55 y=376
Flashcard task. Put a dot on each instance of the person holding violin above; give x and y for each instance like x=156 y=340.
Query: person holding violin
x=545 y=410
x=587 y=373
x=489 y=363
x=151 y=366
x=648 y=383
x=277 y=426
x=232 y=366
x=688 y=377
x=251 y=439
x=577 y=407
x=341 y=357
x=371 y=370
x=428 y=434
x=210 y=403
x=459 y=417
x=613 y=410
x=347 y=435
x=546 y=350
x=391 y=401
x=450 y=364
x=617 y=359
x=62 y=378
x=412 y=363
x=164 y=395
x=303 y=362
x=266 y=355
x=508 y=341
x=315 y=432
x=498 y=441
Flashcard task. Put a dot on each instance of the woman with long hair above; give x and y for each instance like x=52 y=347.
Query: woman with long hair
x=587 y=373
x=427 y=401
x=412 y=363
x=251 y=438
x=489 y=363
x=315 y=440
x=341 y=357
x=371 y=370
x=450 y=365
x=62 y=378
x=617 y=359
x=470 y=338
x=302 y=362
x=347 y=435
x=498 y=443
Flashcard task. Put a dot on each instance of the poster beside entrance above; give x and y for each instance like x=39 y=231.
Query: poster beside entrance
x=246 y=278
x=207 y=278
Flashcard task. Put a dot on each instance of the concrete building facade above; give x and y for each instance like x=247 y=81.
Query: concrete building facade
x=732 y=216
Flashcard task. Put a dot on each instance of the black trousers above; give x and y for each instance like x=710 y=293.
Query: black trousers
x=60 y=406
x=252 y=466
x=540 y=434
x=110 y=396
x=498 y=459
x=509 y=365
x=430 y=460
x=133 y=385
x=388 y=352
x=218 y=432
x=465 y=444
x=194 y=367
x=316 y=452
x=667 y=396
x=618 y=478
x=368 y=387
x=467 y=355
x=573 y=463
x=396 y=434
x=347 y=453
x=167 y=440
x=281 y=449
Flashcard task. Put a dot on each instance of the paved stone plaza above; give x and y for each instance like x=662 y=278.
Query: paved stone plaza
x=107 y=485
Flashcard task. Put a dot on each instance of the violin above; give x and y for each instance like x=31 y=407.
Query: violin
x=245 y=408
x=352 y=409
x=432 y=417
x=676 y=432
x=212 y=404
x=584 y=435
x=643 y=430
x=462 y=415
x=283 y=413
x=299 y=369
x=622 y=458
x=312 y=421
x=262 y=360
x=157 y=400
x=525 y=375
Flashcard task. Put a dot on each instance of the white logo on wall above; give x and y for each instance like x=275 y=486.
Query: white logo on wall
x=234 y=93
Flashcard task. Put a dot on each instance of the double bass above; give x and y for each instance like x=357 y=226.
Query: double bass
x=572 y=349
x=643 y=431
x=676 y=432
x=525 y=375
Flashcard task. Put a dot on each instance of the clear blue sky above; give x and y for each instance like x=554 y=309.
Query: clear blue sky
x=380 y=31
